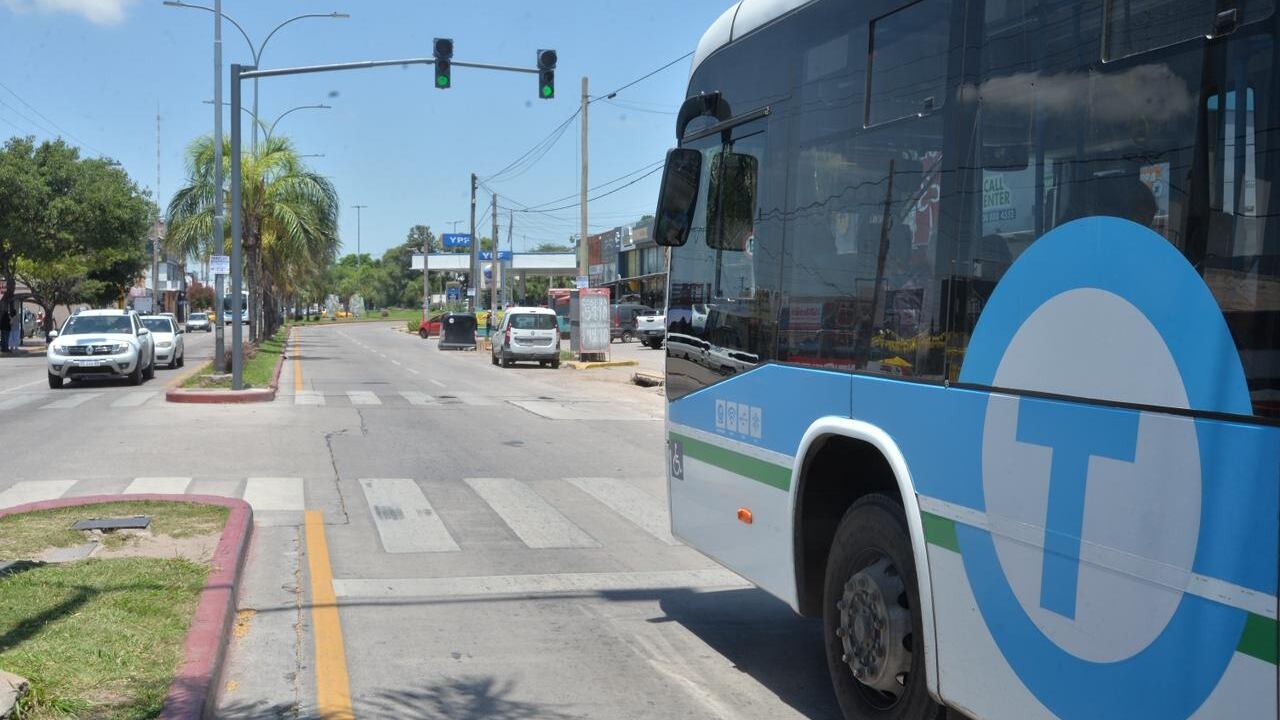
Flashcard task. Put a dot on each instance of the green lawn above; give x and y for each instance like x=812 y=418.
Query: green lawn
x=259 y=366
x=98 y=638
x=25 y=535
x=393 y=315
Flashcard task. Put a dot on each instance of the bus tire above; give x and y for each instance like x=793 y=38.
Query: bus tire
x=870 y=582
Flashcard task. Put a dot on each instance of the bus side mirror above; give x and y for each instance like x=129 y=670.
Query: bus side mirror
x=678 y=197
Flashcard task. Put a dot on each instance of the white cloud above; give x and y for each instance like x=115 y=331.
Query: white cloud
x=99 y=12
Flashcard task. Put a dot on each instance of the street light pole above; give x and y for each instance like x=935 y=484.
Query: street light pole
x=359 y=258
x=219 y=335
x=237 y=284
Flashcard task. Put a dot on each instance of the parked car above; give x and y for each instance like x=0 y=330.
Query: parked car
x=430 y=326
x=651 y=328
x=199 y=321
x=167 y=334
x=527 y=333
x=622 y=325
x=101 y=344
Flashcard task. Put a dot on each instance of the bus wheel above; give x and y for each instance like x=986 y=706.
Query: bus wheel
x=871 y=617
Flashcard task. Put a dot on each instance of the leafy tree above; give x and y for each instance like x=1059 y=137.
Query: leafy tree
x=552 y=247
x=200 y=296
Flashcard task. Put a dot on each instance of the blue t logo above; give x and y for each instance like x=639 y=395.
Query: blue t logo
x=1074 y=433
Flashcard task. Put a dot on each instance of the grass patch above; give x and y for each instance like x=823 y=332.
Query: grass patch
x=27 y=534
x=259 y=365
x=97 y=638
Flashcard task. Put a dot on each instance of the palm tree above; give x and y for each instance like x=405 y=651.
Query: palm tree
x=289 y=219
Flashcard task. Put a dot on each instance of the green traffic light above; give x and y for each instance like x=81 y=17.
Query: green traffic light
x=547 y=91
x=442 y=81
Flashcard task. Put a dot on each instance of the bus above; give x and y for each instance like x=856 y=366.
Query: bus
x=227 y=310
x=988 y=296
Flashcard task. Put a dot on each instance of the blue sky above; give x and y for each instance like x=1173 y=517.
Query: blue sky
x=96 y=71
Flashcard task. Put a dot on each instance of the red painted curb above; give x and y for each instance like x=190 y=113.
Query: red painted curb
x=178 y=395
x=193 y=690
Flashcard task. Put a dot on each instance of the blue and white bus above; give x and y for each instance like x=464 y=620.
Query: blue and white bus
x=227 y=310
x=1000 y=285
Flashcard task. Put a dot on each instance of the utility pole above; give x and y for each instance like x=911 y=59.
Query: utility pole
x=359 y=258
x=582 y=192
x=510 y=247
x=495 y=275
x=219 y=340
x=426 y=276
x=473 y=287
x=155 y=243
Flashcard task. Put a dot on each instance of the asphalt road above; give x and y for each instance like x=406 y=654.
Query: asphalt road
x=497 y=539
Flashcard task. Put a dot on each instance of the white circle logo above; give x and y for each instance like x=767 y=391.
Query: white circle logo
x=1094 y=512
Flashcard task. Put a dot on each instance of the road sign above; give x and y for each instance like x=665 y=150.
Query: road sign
x=583 y=282
x=220 y=264
x=453 y=293
x=456 y=240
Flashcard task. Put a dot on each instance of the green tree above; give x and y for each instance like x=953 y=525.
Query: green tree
x=289 y=219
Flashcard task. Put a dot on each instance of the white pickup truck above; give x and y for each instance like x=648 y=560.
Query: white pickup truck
x=651 y=329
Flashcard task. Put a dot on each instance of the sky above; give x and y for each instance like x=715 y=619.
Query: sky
x=97 y=72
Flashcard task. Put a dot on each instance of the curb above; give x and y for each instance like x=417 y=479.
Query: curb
x=179 y=395
x=579 y=365
x=192 y=693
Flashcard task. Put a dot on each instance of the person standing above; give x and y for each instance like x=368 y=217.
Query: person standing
x=6 y=324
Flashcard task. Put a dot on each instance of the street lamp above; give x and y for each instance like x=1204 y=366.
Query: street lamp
x=272 y=127
x=256 y=51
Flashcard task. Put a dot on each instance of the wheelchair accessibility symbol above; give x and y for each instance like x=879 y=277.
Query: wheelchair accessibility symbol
x=1094 y=509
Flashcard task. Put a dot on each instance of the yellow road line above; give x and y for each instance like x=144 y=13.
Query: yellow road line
x=297 y=361
x=333 y=686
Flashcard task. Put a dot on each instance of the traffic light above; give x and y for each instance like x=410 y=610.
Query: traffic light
x=546 y=74
x=442 y=49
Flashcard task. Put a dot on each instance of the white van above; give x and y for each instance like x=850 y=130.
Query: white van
x=527 y=333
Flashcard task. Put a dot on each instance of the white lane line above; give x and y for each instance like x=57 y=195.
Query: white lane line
x=396 y=363
x=417 y=398
x=527 y=585
x=529 y=516
x=34 y=491
x=275 y=493
x=630 y=502
x=405 y=519
x=160 y=485
x=10 y=403
x=308 y=397
x=71 y=401
x=415 y=372
x=363 y=397
x=436 y=382
x=19 y=387
x=132 y=399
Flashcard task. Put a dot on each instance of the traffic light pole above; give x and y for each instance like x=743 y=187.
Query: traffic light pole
x=240 y=73
x=473 y=284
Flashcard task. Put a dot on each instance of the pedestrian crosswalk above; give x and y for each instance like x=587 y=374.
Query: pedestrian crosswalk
x=119 y=398
x=409 y=515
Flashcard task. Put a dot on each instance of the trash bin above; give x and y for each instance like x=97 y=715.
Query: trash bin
x=458 y=331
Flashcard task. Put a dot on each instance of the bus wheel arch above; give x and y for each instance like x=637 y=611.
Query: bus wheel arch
x=822 y=491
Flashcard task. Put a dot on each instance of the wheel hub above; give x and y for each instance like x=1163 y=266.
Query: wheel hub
x=875 y=628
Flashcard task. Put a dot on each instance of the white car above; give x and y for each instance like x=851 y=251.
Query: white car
x=167 y=334
x=527 y=333
x=199 y=321
x=101 y=343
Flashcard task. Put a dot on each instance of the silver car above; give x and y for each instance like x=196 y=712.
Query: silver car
x=527 y=333
x=101 y=344
x=199 y=321
x=167 y=335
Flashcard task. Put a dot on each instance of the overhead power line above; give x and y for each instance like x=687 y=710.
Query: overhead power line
x=597 y=197
x=521 y=164
x=59 y=129
x=646 y=76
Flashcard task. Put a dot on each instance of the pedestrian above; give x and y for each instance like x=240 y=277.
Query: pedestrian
x=6 y=324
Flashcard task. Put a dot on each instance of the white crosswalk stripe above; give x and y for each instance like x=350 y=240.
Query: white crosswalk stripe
x=16 y=401
x=159 y=485
x=529 y=516
x=632 y=503
x=275 y=493
x=133 y=399
x=363 y=397
x=404 y=517
x=71 y=401
x=308 y=397
x=417 y=398
x=34 y=491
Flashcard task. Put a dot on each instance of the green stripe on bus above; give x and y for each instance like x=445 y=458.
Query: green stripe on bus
x=756 y=469
x=1259 y=638
x=940 y=531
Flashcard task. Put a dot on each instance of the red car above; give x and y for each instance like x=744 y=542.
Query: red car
x=430 y=326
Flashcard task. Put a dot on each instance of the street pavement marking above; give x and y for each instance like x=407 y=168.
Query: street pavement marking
x=415 y=372
x=71 y=401
x=133 y=399
x=417 y=398
x=532 y=585
x=333 y=682
x=529 y=516
x=161 y=485
x=436 y=382
x=405 y=519
x=297 y=361
x=34 y=491
x=308 y=397
x=282 y=493
x=10 y=403
x=630 y=502
x=363 y=397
